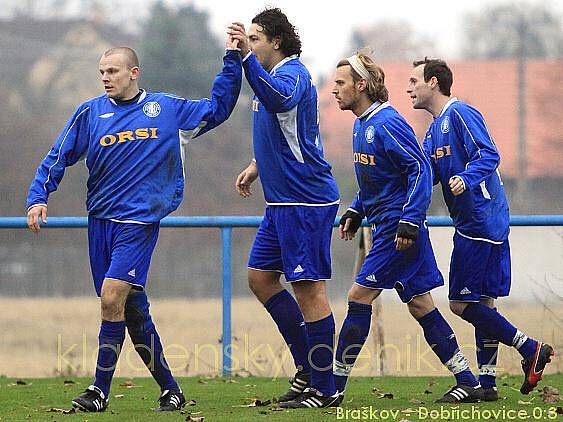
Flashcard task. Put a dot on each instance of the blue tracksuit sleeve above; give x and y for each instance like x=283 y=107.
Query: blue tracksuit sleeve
x=483 y=157
x=206 y=114
x=357 y=205
x=71 y=146
x=279 y=93
x=404 y=151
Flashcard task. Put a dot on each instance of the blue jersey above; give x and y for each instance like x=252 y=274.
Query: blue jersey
x=393 y=173
x=287 y=142
x=459 y=144
x=133 y=150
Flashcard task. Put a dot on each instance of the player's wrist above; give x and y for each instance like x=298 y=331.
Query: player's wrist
x=407 y=230
x=355 y=217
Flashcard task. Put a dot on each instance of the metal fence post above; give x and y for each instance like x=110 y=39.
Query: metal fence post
x=226 y=234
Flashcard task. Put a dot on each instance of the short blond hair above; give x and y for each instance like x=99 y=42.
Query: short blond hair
x=377 y=91
x=128 y=52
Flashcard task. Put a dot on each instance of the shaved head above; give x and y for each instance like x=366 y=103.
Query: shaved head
x=129 y=53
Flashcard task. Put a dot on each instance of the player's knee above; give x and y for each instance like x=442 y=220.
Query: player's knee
x=362 y=295
x=112 y=307
x=458 y=307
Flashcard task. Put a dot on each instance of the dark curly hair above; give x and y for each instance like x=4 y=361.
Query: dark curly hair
x=275 y=24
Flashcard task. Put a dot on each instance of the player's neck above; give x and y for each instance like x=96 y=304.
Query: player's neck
x=276 y=58
x=130 y=94
x=363 y=104
x=438 y=105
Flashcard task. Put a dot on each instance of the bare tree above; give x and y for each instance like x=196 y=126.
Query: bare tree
x=496 y=32
x=392 y=40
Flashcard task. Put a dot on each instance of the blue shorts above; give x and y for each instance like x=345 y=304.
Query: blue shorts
x=412 y=272
x=479 y=269
x=121 y=251
x=295 y=240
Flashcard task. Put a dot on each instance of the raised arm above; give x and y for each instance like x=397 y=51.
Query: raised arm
x=203 y=115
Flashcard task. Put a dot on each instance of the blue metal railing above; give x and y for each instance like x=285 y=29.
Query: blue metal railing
x=226 y=224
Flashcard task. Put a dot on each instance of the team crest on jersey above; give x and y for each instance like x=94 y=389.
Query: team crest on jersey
x=151 y=109
x=370 y=133
x=445 y=126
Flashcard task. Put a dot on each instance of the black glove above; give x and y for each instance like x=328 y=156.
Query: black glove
x=355 y=223
x=407 y=231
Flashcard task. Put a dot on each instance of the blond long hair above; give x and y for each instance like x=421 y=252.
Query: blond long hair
x=376 y=89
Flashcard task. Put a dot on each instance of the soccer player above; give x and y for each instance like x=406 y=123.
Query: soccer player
x=465 y=161
x=395 y=185
x=302 y=201
x=132 y=144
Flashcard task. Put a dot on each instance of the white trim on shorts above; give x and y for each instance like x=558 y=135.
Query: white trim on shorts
x=307 y=279
x=303 y=204
x=266 y=271
x=494 y=242
x=124 y=281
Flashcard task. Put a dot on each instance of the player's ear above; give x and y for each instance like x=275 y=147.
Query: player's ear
x=433 y=82
x=277 y=42
x=135 y=72
x=362 y=85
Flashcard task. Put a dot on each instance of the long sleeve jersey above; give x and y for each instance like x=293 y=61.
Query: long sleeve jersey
x=459 y=144
x=133 y=150
x=393 y=173
x=287 y=142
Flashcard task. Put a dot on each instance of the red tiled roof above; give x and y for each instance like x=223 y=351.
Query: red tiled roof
x=490 y=86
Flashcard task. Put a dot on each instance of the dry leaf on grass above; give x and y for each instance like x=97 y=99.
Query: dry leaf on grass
x=68 y=382
x=119 y=396
x=550 y=394
x=128 y=384
x=255 y=403
x=63 y=411
x=415 y=401
x=195 y=418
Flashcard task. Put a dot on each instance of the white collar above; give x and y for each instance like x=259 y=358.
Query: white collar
x=449 y=103
x=284 y=61
x=374 y=108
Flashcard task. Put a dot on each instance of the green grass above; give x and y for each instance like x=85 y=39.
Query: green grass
x=219 y=399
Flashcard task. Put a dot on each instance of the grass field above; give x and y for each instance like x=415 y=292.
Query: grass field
x=234 y=399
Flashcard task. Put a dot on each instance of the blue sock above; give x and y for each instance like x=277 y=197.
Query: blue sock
x=321 y=340
x=288 y=317
x=110 y=343
x=487 y=352
x=442 y=341
x=351 y=339
x=146 y=340
x=495 y=326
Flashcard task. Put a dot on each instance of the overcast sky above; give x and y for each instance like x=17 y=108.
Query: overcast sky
x=324 y=26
